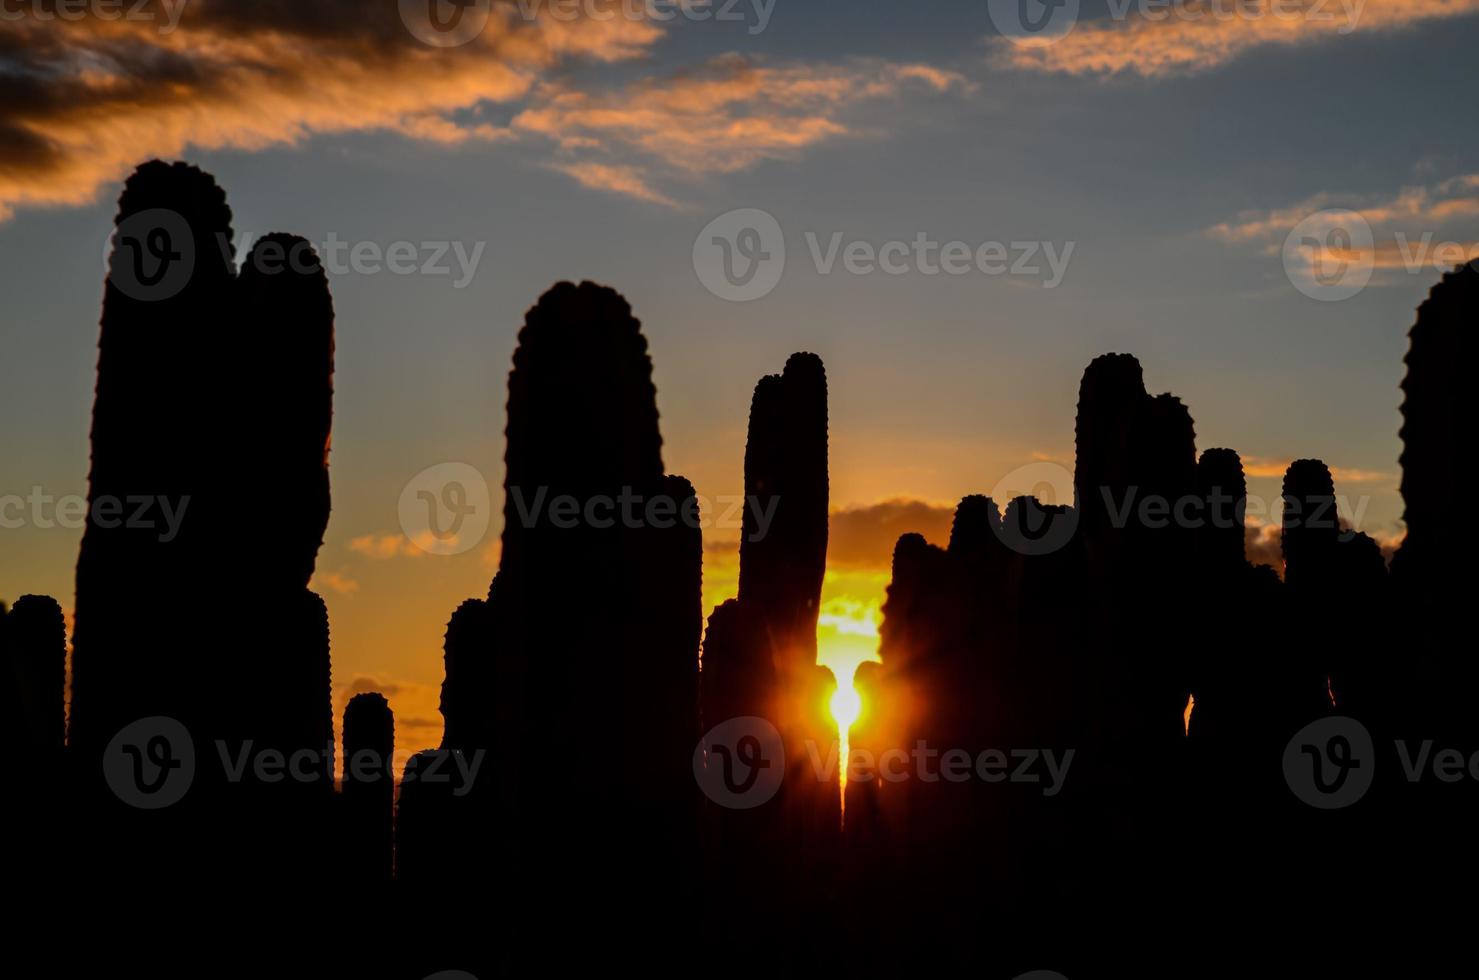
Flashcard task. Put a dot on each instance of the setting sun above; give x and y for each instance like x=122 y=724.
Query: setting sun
x=847 y=637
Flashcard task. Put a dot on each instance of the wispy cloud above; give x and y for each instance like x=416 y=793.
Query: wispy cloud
x=83 y=101
x=337 y=582
x=1199 y=35
x=1419 y=229
x=1265 y=467
x=727 y=115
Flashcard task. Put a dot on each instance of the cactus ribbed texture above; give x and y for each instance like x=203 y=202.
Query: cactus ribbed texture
x=781 y=568
x=211 y=392
x=537 y=669
x=33 y=664
x=369 y=788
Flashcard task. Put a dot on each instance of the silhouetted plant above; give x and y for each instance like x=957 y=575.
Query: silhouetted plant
x=35 y=668
x=369 y=788
x=781 y=569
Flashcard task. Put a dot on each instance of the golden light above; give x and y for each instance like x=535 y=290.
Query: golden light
x=847 y=636
x=846 y=706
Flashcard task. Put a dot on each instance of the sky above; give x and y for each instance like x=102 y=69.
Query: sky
x=1193 y=170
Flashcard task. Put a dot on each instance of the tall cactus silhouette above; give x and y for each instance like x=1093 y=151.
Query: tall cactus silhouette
x=34 y=667
x=538 y=669
x=211 y=387
x=156 y=418
x=369 y=788
x=1223 y=491
x=781 y=568
x=1437 y=415
x=1432 y=569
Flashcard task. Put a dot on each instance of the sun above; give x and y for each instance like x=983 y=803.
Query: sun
x=847 y=637
x=846 y=706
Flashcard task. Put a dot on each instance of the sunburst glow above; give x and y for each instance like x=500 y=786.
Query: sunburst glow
x=847 y=637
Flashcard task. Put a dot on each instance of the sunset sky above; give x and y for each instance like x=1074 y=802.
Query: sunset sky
x=1175 y=153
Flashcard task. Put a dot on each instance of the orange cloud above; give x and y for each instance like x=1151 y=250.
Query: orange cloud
x=863 y=536
x=415 y=707
x=617 y=179
x=334 y=582
x=384 y=546
x=1270 y=468
x=1200 y=35
x=86 y=100
x=727 y=115
x=1419 y=228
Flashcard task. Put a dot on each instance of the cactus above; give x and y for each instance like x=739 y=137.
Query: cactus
x=369 y=788
x=35 y=665
x=534 y=671
x=1437 y=415
x=211 y=386
x=781 y=569
x=1223 y=490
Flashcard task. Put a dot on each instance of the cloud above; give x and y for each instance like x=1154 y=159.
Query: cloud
x=84 y=101
x=334 y=582
x=1424 y=227
x=1200 y=35
x=727 y=115
x=1265 y=467
x=864 y=536
x=1264 y=542
x=616 y=179
x=384 y=546
x=415 y=708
